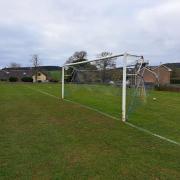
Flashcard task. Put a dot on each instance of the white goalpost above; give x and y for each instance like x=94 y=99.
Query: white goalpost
x=62 y=83
x=95 y=70
x=124 y=89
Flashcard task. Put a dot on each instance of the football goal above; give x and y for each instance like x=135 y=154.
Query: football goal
x=111 y=84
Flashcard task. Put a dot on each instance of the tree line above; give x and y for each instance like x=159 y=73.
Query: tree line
x=101 y=65
x=77 y=56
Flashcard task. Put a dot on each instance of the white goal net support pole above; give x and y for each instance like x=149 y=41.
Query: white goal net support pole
x=124 y=81
x=124 y=88
x=62 y=91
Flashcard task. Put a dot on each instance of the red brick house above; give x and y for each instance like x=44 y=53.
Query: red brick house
x=156 y=75
x=163 y=74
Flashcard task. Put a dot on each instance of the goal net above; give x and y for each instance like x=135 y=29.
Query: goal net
x=113 y=85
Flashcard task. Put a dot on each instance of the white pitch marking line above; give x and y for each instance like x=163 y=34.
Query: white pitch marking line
x=153 y=134
x=43 y=92
x=112 y=117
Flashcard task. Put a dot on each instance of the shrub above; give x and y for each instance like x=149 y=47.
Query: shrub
x=27 y=79
x=175 y=81
x=168 y=87
x=13 y=79
x=3 y=79
x=53 y=80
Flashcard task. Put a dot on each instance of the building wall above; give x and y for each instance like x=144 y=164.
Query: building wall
x=163 y=75
x=149 y=77
x=40 y=77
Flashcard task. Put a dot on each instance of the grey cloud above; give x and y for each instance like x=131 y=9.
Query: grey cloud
x=55 y=29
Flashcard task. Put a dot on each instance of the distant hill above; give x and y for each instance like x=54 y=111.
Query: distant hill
x=43 y=68
x=172 y=65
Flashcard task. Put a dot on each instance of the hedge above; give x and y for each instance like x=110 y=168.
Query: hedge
x=168 y=87
x=175 y=81
x=27 y=79
x=13 y=79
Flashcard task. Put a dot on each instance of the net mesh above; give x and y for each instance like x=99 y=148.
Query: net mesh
x=98 y=84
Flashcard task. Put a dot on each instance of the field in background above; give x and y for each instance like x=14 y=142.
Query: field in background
x=55 y=75
x=45 y=137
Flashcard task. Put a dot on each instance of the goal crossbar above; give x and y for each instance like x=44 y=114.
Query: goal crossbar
x=101 y=59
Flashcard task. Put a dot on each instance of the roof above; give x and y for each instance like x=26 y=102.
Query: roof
x=41 y=68
x=146 y=68
x=5 y=74
x=155 y=67
x=43 y=72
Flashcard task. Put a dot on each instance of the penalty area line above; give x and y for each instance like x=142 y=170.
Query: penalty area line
x=112 y=117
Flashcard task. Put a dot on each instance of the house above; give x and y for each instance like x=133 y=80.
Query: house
x=156 y=75
x=19 y=74
x=3 y=75
x=163 y=73
x=149 y=76
x=40 y=77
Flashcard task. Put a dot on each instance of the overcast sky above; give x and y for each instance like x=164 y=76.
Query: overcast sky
x=54 y=29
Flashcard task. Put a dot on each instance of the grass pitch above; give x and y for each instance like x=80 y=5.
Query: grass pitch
x=46 y=138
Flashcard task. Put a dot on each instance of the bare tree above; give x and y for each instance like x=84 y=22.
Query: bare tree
x=103 y=65
x=35 y=63
x=14 y=65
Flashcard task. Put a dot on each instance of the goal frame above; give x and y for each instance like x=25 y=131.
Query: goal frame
x=125 y=58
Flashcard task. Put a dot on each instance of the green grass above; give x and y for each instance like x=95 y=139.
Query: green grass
x=42 y=137
x=160 y=116
x=55 y=75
